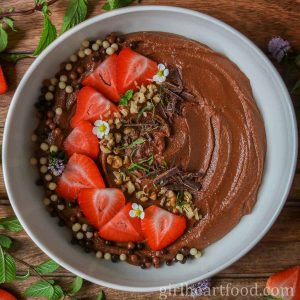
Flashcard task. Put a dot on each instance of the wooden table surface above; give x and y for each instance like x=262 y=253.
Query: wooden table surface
x=258 y=20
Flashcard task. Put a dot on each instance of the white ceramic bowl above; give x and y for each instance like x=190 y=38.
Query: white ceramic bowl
x=272 y=99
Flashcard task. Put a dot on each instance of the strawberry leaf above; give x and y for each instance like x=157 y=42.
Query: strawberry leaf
x=75 y=286
x=40 y=288
x=101 y=296
x=114 y=4
x=10 y=23
x=75 y=14
x=5 y=241
x=47 y=267
x=23 y=277
x=11 y=224
x=48 y=36
x=57 y=293
x=7 y=267
x=3 y=38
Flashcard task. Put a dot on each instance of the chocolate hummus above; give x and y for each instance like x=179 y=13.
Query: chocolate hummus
x=206 y=140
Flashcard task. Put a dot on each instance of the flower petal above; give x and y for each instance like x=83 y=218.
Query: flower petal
x=98 y=123
x=141 y=208
x=156 y=78
x=135 y=206
x=162 y=79
x=132 y=214
x=166 y=72
x=161 y=67
x=142 y=215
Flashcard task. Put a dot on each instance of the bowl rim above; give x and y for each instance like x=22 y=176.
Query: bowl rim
x=249 y=43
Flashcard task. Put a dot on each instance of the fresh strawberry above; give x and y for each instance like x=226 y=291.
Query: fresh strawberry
x=104 y=78
x=132 y=67
x=80 y=173
x=161 y=228
x=3 y=83
x=4 y=295
x=122 y=227
x=92 y=106
x=81 y=140
x=101 y=205
x=285 y=284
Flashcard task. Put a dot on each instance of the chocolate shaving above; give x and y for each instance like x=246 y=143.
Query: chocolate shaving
x=165 y=175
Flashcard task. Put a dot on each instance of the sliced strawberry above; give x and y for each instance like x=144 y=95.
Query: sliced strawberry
x=104 y=78
x=3 y=83
x=80 y=173
x=92 y=106
x=81 y=140
x=132 y=67
x=101 y=205
x=161 y=228
x=285 y=284
x=4 y=295
x=122 y=227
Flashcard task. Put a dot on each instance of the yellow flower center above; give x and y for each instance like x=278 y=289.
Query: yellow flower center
x=102 y=128
x=160 y=73
x=138 y=212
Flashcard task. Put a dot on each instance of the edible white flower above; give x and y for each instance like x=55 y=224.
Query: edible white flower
x=101 y=129
x=137 y=211
x=161 y=74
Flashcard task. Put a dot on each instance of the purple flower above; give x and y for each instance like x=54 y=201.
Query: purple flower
x=278 y=47
x=56 y=166
x=200 y=288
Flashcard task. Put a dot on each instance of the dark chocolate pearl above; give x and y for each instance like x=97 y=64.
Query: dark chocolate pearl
x=130 y=251
x=119 y=39
x=48 y=121
x=88 y=243
x=50 y=114
x=53 y=213
x=169 y=262
x=185 y=251
x=87 y=250
x=80 y=69
x=96 y=58
x=156 y=260
x=60 y=201
x=81 y=243
x=57 y=131
x=73 y=75
x=103 y=52
x=70 y=204
x=39 y=181
x=163 y=251
x=46 y=82
x=143 y=266
x=73 y=241
x=89 y=228
x=134 y=258
x=78 y=86
x=111 y=38
x=108 y=243
x=73 y=219
x=133 y=44
x=114 y=258
x=96 y=234
x=148 y=265
x=183 y=261
x=44 y=90
x=61 y=223
x=146 y=259
x=62 y=66
x=140 y=246
x=130 y=245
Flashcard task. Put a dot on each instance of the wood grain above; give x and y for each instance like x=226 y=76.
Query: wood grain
x=258 y=20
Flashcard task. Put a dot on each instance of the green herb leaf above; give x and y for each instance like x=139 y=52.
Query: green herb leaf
x=101 y=296
x=13 y=57
x=136 y=142
x=47 y=267
x=3 y=38
x=296 y=86
x=40 y=288
x=11 y=224
x=75 y=286
x=141 y=164
x=75 y=14
x=10 y=23
x=7 y=267
x=114 y=4
x=23 y=277
x=57 y=293
x=126 y=97
x=48 y=36
x=5 y=241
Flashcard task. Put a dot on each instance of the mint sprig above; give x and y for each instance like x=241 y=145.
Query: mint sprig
x=126 y=97
x=75 y=14
x=114 y=4
x=3 y=38
x=41 y=288
x=5 y=241
x=7 y=267
x=10 y=224
x=75 y=286
x=47 y=267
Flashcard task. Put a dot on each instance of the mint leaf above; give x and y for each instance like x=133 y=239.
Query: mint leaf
x=114 y=4
x=40 y=288
x=7 y=267
x=47 y=267
x=13 y=57
x=75 y=14
x=23 y=277
x=10 y=224
x=57 y=293
x=5 y=241
x=10 y=23
x=134 y=143
x=101 y=296
x=49 y=33
x=3 y=38
x=75 y=286
x=126 y=97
